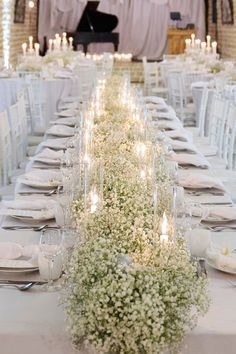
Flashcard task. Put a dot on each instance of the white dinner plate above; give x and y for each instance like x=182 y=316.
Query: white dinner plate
x=30 y=220
x=16 y=264
x=221 y=269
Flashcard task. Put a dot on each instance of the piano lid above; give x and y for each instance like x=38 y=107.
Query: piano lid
x=96 y=21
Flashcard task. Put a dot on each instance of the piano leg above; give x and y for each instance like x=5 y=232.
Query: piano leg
x=85 y=47
x=116 y=47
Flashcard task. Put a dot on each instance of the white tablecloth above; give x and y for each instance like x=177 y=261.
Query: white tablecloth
x=34 y=322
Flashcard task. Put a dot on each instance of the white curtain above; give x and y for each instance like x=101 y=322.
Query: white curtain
x=143 y=24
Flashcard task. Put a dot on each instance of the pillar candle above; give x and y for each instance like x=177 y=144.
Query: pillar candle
x=187 y=43
x=193 y=39
x=30 y=43
x=70 y=42
x=208 y=40
x=198 y=43
x=24 y=47
x=214 y=47
x=36 y=47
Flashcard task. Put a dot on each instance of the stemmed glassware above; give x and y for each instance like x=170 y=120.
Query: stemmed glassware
x=50 y=245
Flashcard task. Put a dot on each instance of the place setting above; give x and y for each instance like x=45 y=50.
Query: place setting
x=28 y=212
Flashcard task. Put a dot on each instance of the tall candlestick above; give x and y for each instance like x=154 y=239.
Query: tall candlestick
x=187 y=43
x=164 y=235
x=214 y=47
x=30 y=43
x=36 y=47
x=208 y=37
x=70 y=42
x=193 y=39
x=24 y=47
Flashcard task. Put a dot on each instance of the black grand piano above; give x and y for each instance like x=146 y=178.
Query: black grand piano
x=95 y=27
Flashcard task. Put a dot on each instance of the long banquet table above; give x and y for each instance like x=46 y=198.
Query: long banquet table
x=34 y=321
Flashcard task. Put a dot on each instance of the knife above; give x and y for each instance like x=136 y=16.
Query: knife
x=40 y=282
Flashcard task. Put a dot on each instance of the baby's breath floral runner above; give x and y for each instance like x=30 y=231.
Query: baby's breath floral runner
x=127 y=292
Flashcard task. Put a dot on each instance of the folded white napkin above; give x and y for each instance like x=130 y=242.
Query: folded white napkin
x=222 y=212
x=49 y=155
x=169 y=125
x=189 y=159
x=10 y=250
x=57 y=144
x=157 y=107
x=69 y=121
x=27 y=203
x=178 y=145
x=71 y=112
x=179 y=134
x=53 y=178
x=154 y=99
x=39 y=209
x=60 y=130
x=200 y=181
x=169 y=115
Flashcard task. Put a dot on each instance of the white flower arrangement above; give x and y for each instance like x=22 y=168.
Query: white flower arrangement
x=127 y=292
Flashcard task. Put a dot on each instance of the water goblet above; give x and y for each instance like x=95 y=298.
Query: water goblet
x=50 y=246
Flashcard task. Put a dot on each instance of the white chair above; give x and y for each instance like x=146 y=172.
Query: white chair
x=230 y=138
x=5 y=150
x=16 y=135
x=214 y=142
x=23 y=120
x=152 y=79
x=217 y=122
x=37 y=103
x=178 y=97
x=86 y=74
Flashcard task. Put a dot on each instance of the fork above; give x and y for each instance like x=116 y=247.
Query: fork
x=40 y=228
x=23 y=287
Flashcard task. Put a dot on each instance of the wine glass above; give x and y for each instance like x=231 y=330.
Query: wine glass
x=50 y=248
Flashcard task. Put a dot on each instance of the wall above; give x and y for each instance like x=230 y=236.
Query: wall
x=224 y=34
x=19 y=32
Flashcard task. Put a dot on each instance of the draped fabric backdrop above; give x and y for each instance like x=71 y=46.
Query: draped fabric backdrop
x=143 y=24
